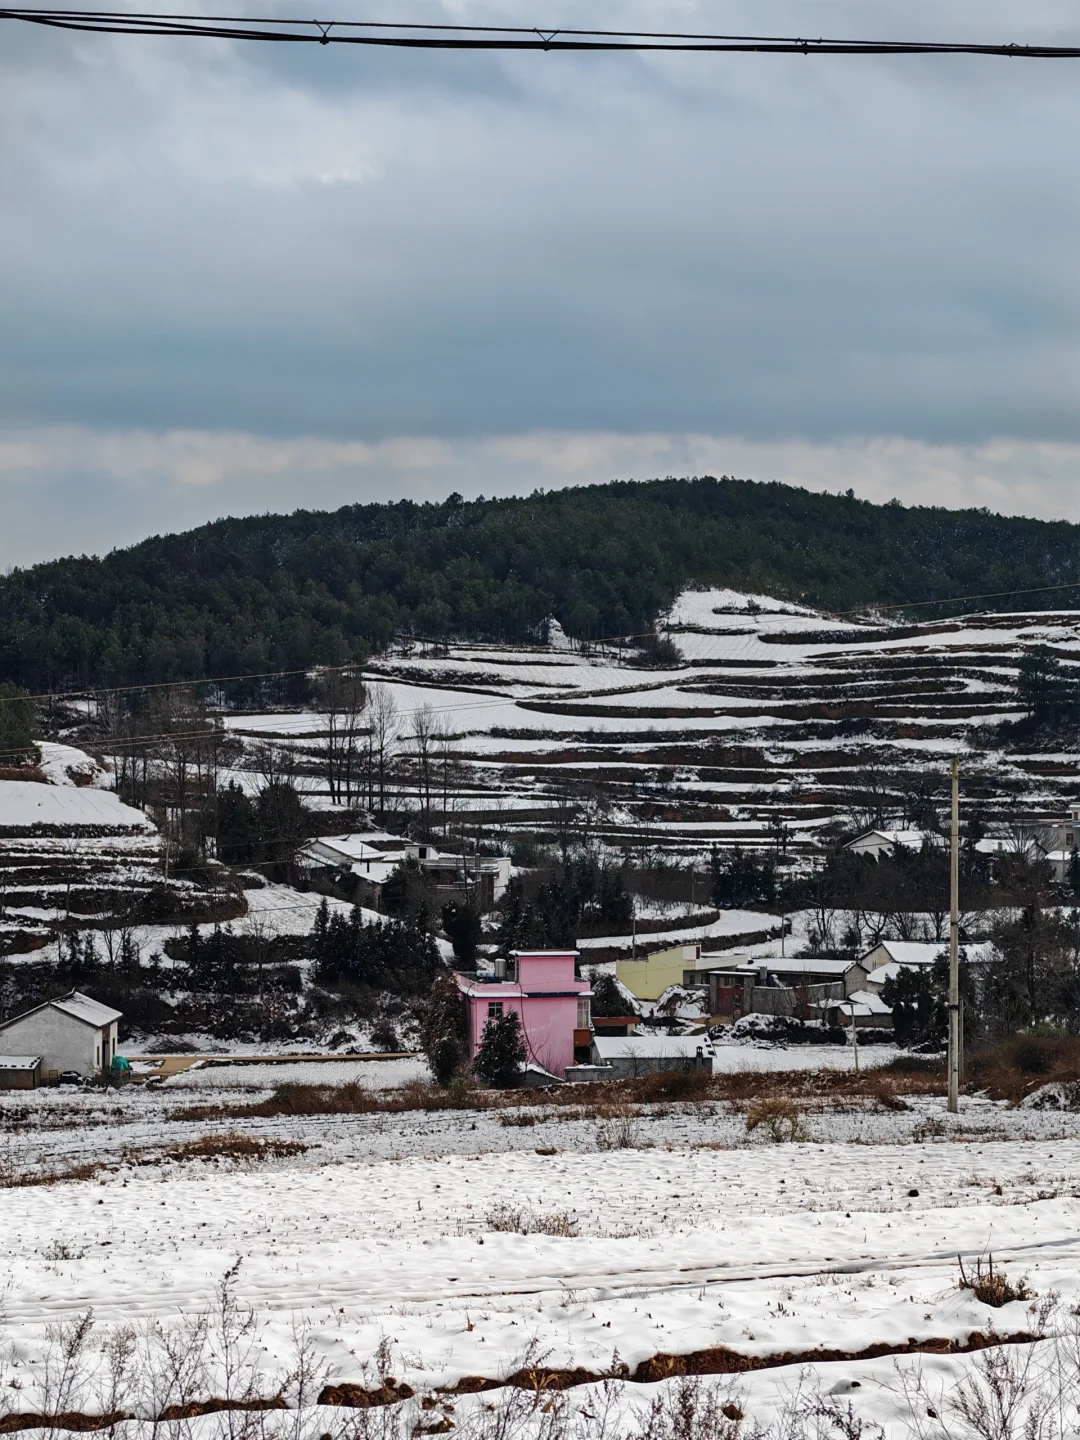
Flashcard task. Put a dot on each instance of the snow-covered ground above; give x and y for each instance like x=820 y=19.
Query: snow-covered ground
x=415 y=1243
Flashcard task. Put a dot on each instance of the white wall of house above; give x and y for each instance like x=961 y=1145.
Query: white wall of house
x=63 y=1042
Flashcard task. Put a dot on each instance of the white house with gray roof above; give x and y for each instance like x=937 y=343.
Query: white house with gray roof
x=71 y=1032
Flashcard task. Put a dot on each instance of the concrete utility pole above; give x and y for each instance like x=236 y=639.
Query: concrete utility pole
x=954 y=946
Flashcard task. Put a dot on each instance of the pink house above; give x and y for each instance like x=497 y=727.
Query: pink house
x=552 y=1003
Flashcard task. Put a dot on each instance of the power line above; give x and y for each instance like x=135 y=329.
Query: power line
x=499 y=37
x=956 y=599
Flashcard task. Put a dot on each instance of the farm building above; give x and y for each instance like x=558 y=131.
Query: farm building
x=864 y=1008
x=626 y=1056
x=552 y=1005
x=72 y=1032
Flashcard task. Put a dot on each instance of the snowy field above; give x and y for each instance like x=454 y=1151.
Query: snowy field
x=446 y=1248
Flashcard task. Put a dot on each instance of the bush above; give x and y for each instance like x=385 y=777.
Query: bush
x=655 y=652
x=993 y=1287
x=780 y=1118
x=384 y=1036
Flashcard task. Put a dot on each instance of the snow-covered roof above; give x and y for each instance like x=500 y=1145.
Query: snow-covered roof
x=28 y=802
x=911 y=839
x=75 y=1004
x=19 y=1062
x=349 y=847
x=860 y=1002
x=919 y=952
x=804 y=965
x=650 y=1047
x=911 y=952
x=877 y=978
x=81 y=1007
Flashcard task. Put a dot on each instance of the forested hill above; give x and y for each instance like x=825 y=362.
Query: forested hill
x=280 y=592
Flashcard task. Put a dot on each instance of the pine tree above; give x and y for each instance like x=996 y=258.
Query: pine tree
x=502 y=1054
x=442 y=1030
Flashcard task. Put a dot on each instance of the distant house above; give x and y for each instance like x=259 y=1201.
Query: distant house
x=552 y=1004
x=369 y=858
x=918 y=952
x=778 y=986
x=649 y=977
x=886 y=960
x=876 y=843
x=480 y=878
x=72 y=1032
x=1062 y=859
x=616 y=1025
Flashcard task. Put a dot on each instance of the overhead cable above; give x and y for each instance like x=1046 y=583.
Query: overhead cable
x=388 y=34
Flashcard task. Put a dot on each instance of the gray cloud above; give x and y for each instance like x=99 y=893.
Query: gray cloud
x=274 y=244
x=69 y=489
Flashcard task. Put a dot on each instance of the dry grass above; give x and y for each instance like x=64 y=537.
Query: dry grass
x=993 y=1287
x=1013 y=1070
x=619 y=1131
x=600 y=1099
x=780 y=1118
x=12 y=1178
x=510 y=1220
x=242 y=1148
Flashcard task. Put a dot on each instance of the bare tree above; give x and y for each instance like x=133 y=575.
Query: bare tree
x=423 y=734
x=449 y=768
x=383 y=728
x=869 y=798
x=341 y=699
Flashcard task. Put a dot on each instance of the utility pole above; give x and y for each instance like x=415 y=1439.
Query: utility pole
x=954 y=946
x=854 y=1035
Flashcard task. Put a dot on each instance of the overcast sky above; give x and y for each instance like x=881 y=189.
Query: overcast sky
x=236 y=279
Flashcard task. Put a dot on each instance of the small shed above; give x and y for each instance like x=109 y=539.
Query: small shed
x=20 y=1072
x=645 y=1054
x=70 y=1032
x=865 y=1009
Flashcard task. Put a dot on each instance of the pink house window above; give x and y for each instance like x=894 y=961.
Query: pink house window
x=495 y=1010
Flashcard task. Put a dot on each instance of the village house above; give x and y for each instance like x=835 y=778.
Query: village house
x=863 y=1009
x=779 y=986
x=552 y=1004
x=876 y=843
x=650 y=976
x=70 y=1033
x=889 y=957
x=366 y=860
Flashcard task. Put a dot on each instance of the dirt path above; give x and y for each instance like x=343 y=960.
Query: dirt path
x=167 y=1065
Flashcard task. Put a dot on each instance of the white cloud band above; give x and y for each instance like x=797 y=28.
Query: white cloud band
x=70 y=489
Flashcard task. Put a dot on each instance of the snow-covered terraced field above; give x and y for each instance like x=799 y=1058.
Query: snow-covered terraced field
x=772 y=713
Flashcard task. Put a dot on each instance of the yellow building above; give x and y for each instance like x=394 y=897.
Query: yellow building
x=650 y=977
